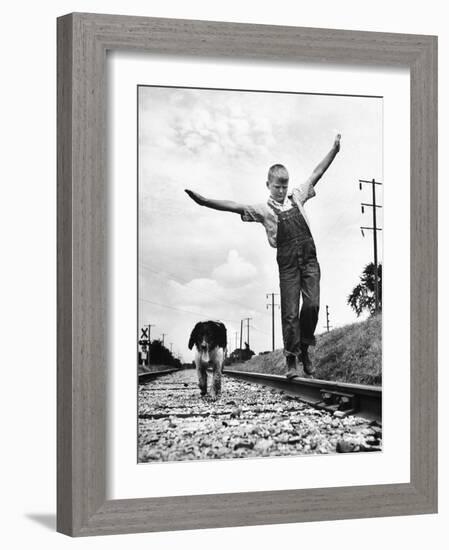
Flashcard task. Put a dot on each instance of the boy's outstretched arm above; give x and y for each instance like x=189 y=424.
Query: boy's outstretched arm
x=226 y=206
x=326 y=162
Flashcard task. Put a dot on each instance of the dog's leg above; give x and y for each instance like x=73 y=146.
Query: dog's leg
x=216 y=376
x=202 y=377
x=216 y=382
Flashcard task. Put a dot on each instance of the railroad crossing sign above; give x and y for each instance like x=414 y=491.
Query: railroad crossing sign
x=144 y=358
x=144 y=333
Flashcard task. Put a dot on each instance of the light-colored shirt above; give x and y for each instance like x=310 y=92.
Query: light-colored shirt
x=265 y=213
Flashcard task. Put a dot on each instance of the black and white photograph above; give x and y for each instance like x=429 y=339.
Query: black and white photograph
x=259 y=273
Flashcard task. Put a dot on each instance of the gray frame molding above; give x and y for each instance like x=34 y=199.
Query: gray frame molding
x=83 y=40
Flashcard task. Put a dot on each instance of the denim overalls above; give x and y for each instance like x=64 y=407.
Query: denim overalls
x=299 y=274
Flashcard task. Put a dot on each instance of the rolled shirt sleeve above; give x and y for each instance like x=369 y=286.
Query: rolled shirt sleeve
x=263 y=214
x=254 y=213
x=303 y=192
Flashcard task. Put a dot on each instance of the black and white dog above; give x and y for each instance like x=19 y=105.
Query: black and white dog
x=209 y=339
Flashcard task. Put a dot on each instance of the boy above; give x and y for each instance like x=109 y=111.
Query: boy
x=288 y=230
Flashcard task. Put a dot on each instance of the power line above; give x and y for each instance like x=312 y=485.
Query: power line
x=199 y=274
x=183 y=281
x=183 y=310
x=196 y=313
x=258 y=330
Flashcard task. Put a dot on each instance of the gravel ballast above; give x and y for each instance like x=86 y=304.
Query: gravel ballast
x=249 y=420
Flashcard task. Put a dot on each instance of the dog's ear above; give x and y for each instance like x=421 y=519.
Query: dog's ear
x=194 y=335
x=221 y=335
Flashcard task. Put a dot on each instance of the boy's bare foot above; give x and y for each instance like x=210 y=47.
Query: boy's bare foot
x=291 y=367
x=306 y=362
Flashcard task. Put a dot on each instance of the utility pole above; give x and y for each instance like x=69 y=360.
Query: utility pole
x=247 y=319
x=375 y=229
x=236 y=333
x=149 y=332
x=272 y=305
x=327 y=318
x=241 y=336
x=164 y=334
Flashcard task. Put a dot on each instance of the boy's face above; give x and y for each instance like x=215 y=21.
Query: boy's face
x=278 y=188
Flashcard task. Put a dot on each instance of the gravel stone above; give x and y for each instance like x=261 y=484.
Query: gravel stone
x=176 y=423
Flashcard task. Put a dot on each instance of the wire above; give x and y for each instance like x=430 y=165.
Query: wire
x=177 y=279
x=197 y=313
x=258 y=330
x=184 y=310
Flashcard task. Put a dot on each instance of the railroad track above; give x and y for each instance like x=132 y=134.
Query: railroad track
x=146 y=376
x=342 y=399
x=249 y=420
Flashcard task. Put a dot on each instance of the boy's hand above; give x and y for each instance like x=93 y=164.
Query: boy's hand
x=337 y=142
x=195 y=196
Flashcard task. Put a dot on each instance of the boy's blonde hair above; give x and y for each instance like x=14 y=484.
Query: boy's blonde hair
x=278 y=171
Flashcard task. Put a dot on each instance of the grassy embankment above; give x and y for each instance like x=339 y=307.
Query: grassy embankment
x=352 y=353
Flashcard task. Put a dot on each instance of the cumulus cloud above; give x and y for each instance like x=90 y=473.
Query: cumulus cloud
x=220 y=143
x=236 y=271
x=203 y=298
x=197 y=291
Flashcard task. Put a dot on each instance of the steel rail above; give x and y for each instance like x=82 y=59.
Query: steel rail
x=358 y=399
x=145 y=376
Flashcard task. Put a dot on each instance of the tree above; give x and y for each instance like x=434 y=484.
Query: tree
x=240 y=355
x=362 y=296
x=160 y=355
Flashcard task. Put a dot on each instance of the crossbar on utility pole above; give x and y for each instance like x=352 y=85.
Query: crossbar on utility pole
x=375 y=229
x=370 y=181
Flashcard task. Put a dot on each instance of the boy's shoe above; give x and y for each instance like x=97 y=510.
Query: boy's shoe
x=291 y=373
x=306 y=362
x=291 y=367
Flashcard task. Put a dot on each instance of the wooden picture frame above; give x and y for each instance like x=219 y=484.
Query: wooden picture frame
x=83 y=40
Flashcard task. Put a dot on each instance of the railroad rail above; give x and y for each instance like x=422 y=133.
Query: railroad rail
x=249 y=420
x=340 y=398
x=146 y=376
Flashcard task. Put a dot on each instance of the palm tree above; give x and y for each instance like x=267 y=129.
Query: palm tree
x=362 y=296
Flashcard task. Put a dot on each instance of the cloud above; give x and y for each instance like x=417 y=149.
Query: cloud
x=220 y=143
x=203 y=298
x=199 y=291
x=216 y=126
x=235 y=271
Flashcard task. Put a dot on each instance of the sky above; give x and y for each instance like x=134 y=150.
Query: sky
x=196 y=263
